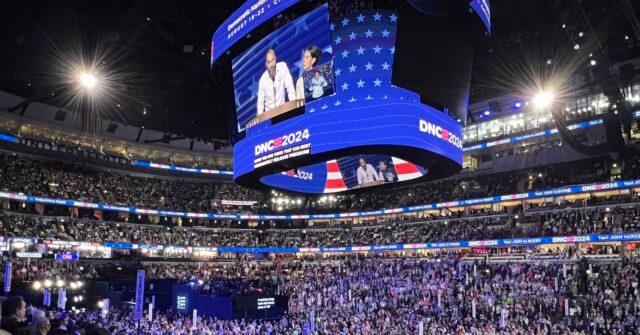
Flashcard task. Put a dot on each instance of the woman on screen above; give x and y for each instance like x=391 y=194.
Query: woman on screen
x=317 y=85
x=310 y=58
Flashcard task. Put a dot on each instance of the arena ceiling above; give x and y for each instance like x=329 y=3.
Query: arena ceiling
x=162 y=50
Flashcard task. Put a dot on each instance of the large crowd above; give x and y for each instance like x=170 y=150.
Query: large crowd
x=563 y=222
x=364 y=295
x=32 y=176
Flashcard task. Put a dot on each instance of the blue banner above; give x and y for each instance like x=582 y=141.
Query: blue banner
x=139 y=295
x=7 y=277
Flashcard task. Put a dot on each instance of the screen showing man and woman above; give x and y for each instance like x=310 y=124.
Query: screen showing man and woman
x=292 y=63
x=367 y=170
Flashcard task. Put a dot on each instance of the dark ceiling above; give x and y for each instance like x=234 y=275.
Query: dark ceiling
x=161 y=48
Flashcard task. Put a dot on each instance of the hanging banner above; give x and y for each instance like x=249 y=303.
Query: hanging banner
x=139 y=295
x=312 y=321
x=7 y=277
x=62 y=298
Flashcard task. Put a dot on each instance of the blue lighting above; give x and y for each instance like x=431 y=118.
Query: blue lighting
x=487 y=112
x=518 y=104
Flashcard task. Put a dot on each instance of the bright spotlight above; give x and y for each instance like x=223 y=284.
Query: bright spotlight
x=36 y=285
x=47 y=283
x=88 y=80
x=543 y=99
x=60 y=283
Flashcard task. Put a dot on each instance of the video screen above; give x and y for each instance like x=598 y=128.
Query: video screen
x=347 y=173
x=269 y=77
x=371 y=170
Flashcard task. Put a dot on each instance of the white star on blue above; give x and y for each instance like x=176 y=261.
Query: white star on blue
x=368 y=97
x=345 y=22
x=353 y=99
x=393 y=17
x=332 y=26
x=385 y=33
x=338 y=103
x=312 y=110
x=338 y=72
x=352 y=68
x=368 y=33
x=324 y=106
x=360 y=18
x=385 y=66
x=338 y=40
x=393 y=50
x=385 y=97
x=352 y=36
x=360 y=51
x=377 y=16
x=345 y=86
x=369 y=66
x=377 y=82
x=345 y=54
x=360 y=83
x=377 y=49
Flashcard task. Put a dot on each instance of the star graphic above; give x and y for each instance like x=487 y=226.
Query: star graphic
x=338 y=72
x=332 y=26
x=376 y=17
x=368 y=97
x=385 y=33
x=385 y=66
x=360 y=18
x=345 y=86
x=360 y=51
x=360 y=83
x=345 y=54
x=385 y=97
x=377 y=49
x=338 y=103
x=352 y=36
x=312 y=110
x=368 y=33
x=352 y=68
x=369 y=66
x=345 y=22
x=377 y=82
x=324 y=106
x=393 y=17
x=393 y=50
x=353 y=99
x=338 y=40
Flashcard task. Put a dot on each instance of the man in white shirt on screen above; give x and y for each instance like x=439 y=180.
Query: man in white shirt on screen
x=366 y=173
x=273 y=83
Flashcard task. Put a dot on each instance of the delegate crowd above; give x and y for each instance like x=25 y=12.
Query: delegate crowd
x=365 y=295
x=32 y=176
x=577 y=221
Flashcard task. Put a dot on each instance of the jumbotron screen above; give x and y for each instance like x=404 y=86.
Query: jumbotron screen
x=316 y=103
x=292 y=63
